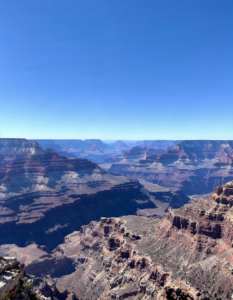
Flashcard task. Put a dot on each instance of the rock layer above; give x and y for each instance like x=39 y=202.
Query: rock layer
x=44 y=197
x=196 y=167
x=12 y=149
x=187 y=254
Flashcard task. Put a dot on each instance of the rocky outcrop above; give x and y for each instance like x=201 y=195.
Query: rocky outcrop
x=11 y=272
x=185 y=255
x=45 y=287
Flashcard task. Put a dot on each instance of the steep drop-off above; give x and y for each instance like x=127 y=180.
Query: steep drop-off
x=44 y=197
x=187 y=254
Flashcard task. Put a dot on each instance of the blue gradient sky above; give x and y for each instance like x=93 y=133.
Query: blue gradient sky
x=119 y=69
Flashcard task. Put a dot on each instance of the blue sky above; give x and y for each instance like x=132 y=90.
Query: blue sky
x=119 y=69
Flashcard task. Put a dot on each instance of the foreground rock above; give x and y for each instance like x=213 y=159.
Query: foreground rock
x=187 y=254
x=15 y=285
x=11 y=272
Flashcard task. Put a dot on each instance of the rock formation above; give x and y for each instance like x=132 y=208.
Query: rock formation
x=11 y=272
x=12 y=149
x=44 y=197
x=187 y=254
x=15 y=285
x=196 y=167
x=158 y=144
x=77 y=145
x=119 y=146
x=140 y=152
x=94 y=148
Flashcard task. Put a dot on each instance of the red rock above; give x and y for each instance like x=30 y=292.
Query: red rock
x=185 y=255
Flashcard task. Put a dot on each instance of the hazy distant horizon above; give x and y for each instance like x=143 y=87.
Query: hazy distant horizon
x=115 y=140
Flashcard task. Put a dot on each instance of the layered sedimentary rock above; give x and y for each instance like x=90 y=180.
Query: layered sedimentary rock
x=187 y=254
x=44 y=197
x=48 y=144
x=198 y=150
x=137 y=152
x=196 y=167
x=12 y=149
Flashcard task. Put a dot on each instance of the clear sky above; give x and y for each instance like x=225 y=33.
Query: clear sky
x=116 y=69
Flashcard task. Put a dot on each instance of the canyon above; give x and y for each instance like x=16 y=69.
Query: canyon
x=187 y=254
x=45 y=196
x=122 y=229
x=196 y=167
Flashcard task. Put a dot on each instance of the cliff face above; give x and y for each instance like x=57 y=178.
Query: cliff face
x=187 y=254
x=196 y=167
x=44 y=197
x=12 y=149
x=10 y=274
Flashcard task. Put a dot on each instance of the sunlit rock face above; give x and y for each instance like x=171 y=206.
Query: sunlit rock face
x=187 y=254
x=196 y=167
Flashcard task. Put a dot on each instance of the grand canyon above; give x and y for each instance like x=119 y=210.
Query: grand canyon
x=151 y=220
x=116 y=150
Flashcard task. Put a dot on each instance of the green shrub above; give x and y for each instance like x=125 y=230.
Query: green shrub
x=12 y=277
x=25 y=278
x=29 y=286
x=22 y=295
x=5 y=296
